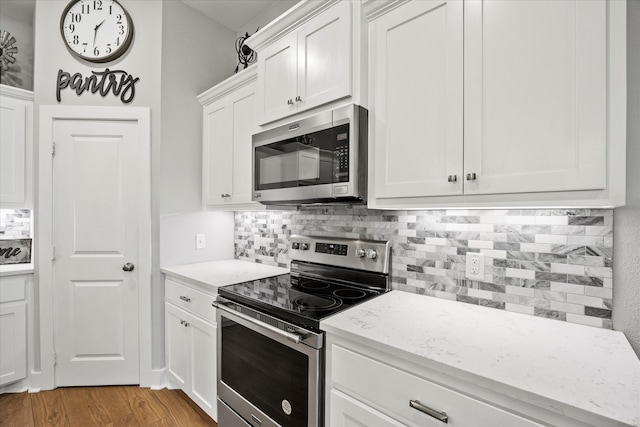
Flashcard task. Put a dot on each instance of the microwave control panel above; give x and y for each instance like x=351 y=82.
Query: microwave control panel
x=341 y=162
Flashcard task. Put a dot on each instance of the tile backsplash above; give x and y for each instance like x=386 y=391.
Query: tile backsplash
x=548 y=263
x=15 y=223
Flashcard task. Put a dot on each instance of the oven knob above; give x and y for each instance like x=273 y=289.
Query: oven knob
x=360 y=253
x=295 y=245
x=305 y=246
x=372 y=254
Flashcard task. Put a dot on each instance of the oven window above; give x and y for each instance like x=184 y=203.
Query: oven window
x=266 y=373
x=312 y=159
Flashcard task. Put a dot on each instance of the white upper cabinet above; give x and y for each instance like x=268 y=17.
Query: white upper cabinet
x=416 y=90
x=229 y=121
x=488 y=103
x=307 y=66
x=535 y=95
x=16 y=135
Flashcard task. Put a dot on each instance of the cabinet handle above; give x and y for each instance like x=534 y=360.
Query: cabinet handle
x=184 y=323
x=440 y=416
x=471 y=176
x=225 y=195
x=452 y=178
x=289 y=101
x=298 y=98
x=185 y=298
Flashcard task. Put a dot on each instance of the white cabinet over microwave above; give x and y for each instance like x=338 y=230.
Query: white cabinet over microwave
x=309 y=57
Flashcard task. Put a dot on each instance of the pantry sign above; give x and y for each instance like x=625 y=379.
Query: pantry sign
x=15 y=251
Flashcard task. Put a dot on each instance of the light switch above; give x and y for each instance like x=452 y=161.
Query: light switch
x=200 y=241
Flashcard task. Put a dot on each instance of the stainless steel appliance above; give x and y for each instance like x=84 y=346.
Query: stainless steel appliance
x=271 y=354
x=320 y=159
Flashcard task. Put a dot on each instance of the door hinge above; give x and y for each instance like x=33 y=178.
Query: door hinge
x=53 y=148
x=53 y=253
x=55 y=358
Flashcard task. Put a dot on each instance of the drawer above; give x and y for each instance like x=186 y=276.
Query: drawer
x=190 y=299
x=12 y=288
x=390 y=390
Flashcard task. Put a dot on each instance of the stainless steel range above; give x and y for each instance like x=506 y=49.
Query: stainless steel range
x=270 y=345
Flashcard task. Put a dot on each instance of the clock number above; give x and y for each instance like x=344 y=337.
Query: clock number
x=97 y=4
x=108 y=48
x=85 y=48
x=72 y=27
x=85 y=9
x=76 y=17
x=118 y=41
x=121 y=30
x=96 y=52
x=119 y=19
x=75 y=39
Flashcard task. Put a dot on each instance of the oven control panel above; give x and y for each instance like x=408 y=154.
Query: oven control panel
x=331 y=249
x=372 y=255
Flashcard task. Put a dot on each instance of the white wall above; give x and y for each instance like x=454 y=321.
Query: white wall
x=626 y=240
x=20 y=74
x=178 y=237
x=174 y=64
x=196 y=54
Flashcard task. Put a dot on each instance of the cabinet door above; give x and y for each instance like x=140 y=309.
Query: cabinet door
x=348 y=412
x=324 y=57
x=13 y=342
x=203 y=365
x=245 y=124
x=13 y=146
x=277 y=68
x=535 y=95
x=217 y=153
x=177 y=345
x=416 y=87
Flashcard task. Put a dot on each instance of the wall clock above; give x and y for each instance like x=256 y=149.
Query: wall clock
x=96 y=30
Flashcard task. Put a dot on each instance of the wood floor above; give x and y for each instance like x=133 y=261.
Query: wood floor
x=101 y=406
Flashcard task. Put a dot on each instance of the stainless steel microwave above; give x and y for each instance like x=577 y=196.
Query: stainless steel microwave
x=319 y=159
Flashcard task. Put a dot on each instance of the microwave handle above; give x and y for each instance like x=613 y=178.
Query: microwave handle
x=296 y=338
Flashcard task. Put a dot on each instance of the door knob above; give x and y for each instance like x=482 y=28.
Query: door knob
x=128 y=267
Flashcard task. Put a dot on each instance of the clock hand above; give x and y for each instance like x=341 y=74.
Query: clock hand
x=95 y=32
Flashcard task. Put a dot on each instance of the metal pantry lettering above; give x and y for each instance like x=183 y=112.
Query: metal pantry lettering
x=117 y=81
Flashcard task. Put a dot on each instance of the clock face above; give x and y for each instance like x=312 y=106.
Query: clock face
x=96 y=30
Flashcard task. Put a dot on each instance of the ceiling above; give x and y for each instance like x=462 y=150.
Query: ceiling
x=232 y=14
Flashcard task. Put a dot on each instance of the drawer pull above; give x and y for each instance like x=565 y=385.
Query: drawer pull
x=185 y=298
x=440 y=416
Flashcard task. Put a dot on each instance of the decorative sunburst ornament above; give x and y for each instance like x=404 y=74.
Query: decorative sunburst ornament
x=246 y=55
x=7 y=49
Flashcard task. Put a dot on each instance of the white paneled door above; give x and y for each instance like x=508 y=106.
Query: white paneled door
x=96 y=195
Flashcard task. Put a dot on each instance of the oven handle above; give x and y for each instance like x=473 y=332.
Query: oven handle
x=291 y=336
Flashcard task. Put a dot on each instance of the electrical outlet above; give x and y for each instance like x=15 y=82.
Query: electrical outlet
x=475 y=266
x=200 y=241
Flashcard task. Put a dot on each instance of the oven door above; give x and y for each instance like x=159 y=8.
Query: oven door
x=269 y=377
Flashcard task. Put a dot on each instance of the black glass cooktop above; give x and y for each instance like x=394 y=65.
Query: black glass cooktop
x=301 y=300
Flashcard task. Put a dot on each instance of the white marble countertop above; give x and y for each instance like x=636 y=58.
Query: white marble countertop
x=567 y=368
x=223 y=272
x=16 y=269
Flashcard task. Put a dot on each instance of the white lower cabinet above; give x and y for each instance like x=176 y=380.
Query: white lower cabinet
x=190 y=340
x=403 y=398
x=13 y=329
